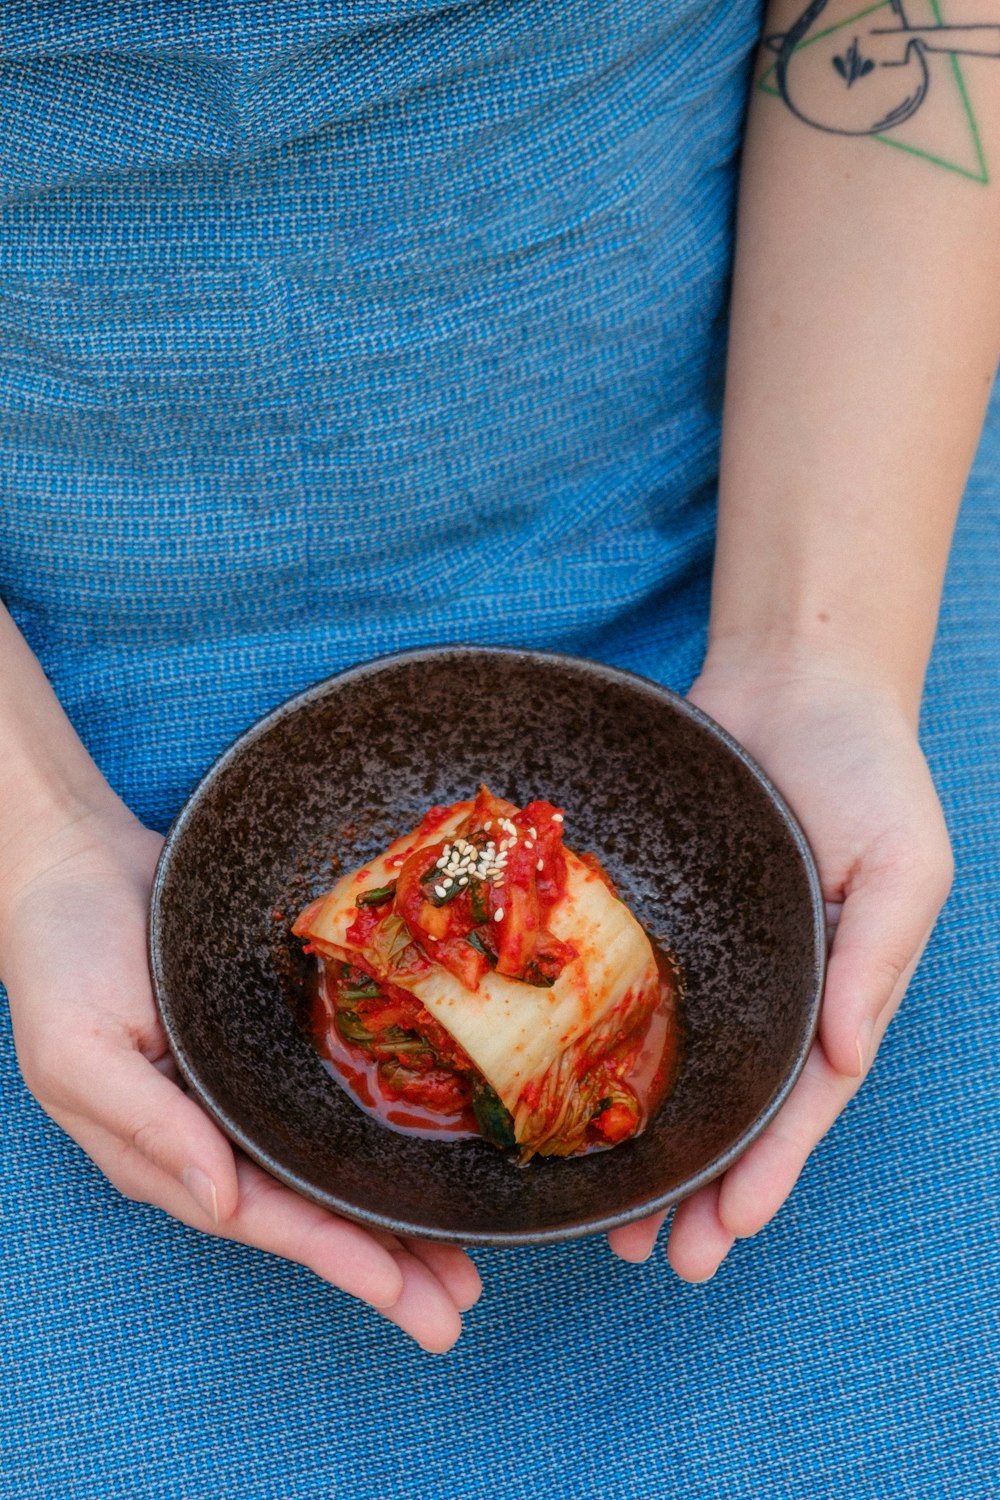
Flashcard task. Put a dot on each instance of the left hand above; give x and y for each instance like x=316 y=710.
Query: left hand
x=843 y=751
x=93 y=1051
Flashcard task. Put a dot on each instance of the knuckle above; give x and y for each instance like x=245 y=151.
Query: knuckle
x=946 y=874
x=128 y=1174
x=146 y=1138
x=936 y=870
x=890 y=966
x=128 y=1187
x=129 y=1184
x=45 y=1066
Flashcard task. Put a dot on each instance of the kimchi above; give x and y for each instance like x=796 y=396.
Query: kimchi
x=479 y=977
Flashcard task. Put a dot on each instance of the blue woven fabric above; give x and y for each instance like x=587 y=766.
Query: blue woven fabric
x=333 y=328
x=302 y=314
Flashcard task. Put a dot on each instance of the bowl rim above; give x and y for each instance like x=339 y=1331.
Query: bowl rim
x=620 y=676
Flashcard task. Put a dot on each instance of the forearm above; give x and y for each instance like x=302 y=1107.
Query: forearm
x=48 y=782
x=864 y=340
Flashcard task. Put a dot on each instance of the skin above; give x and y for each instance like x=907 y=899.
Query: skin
x=864 y=342
x=839 y=489
x=74 y=861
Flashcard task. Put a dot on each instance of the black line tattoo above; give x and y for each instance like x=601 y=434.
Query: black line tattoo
x=875 y=77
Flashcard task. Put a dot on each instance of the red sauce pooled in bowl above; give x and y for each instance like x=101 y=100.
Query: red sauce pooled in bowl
x=359 y=1075
x=653 y=1063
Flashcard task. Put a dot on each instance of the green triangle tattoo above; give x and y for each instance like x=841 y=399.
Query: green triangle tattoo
x=979 y=173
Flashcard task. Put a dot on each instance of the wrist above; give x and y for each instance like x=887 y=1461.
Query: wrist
x=46 y=825
x=754 y=663
x=59 y=852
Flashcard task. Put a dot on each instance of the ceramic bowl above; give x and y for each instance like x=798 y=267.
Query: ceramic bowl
x=700 y=844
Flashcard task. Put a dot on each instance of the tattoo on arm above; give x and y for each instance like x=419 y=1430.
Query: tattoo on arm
x=870 y=73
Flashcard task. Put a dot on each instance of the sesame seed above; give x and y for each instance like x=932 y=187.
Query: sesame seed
x=488 y=826
x=528 y=844
x=463 y=880
x=440 y=863
x=540 y=865
x=498 y=914
x=439 y=890
x=533 y=832
x=558 y=818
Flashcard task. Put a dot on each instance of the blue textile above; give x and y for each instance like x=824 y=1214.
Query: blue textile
x=332 y=328
x=300 y=315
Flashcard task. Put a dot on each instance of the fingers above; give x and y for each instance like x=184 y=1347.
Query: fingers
x=274 y=1219
x=421 y=1288
x=139 y=1107
x=424 y=1309
x=737 y=1206
x=757 y=1185
x=82 y=1034
x=453 y=1269
x=883 y=928
x=156 y=1145
x=634 y=1242
x=699 y=1241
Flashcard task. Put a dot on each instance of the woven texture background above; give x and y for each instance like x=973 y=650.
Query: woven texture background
x=332 y=328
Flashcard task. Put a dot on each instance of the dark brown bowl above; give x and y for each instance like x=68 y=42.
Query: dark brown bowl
x=702 y=847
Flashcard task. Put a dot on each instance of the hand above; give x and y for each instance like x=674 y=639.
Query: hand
x=844 y=753
x=90 y=1045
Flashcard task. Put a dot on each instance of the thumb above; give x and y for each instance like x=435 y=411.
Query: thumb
x=887 y=917
x=146 y=1112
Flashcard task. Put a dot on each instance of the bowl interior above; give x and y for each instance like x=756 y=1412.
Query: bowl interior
x=699 y=845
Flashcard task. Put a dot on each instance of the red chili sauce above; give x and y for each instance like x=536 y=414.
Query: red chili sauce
x=438 y=1101
x=434 y=1103
x=472 y=904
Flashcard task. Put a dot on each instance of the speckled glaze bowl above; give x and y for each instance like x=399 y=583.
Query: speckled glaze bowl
x=701 y=846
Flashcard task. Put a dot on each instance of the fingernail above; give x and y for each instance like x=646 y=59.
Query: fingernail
x=636 y=1255
x=864 y=1042
x=202 y=1190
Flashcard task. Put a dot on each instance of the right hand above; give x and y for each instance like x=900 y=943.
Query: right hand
x=93 y=1052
